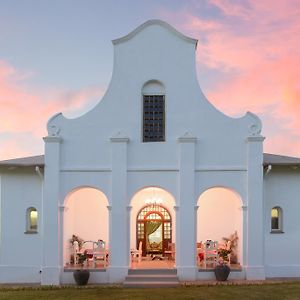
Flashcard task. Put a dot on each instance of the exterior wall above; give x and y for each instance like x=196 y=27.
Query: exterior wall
x=104 y=149
x=282 y=188
x=172 y=62
x=20 y=253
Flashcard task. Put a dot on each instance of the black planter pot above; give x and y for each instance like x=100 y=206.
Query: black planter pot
x=222 y=272
x=81 y=276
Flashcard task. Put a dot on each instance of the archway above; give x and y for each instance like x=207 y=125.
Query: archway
x=219 y=219
x=152 y=222
x=154 y=229
x=86 y=217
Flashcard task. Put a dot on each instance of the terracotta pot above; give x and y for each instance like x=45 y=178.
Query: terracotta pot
x=81 y=276
x=222 y=272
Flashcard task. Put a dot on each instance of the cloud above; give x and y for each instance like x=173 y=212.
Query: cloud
x=253 y=49
x=27 y=110
x=232 y=8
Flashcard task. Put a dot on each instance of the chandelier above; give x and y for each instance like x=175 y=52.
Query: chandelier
x=154 y=199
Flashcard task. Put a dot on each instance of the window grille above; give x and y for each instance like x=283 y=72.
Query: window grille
x=154 y=118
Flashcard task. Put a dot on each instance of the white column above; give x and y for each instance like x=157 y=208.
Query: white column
x=119 y=223
x=185 y=217
x=255 y=236
x=244 y=246
x=50 y=233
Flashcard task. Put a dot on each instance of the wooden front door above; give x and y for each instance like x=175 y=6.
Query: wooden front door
x=154 y=229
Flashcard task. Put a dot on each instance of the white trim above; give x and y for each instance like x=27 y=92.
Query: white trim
x=203 y=168
x=119 y=138
x=52 y=139
x=254 y=138
x=84 y=169
x=220 y=168
x=150 y=23
x=152 y=169
x=187 y=138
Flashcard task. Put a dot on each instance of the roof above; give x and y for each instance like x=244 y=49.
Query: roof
x=38 y=160
x=280 y=160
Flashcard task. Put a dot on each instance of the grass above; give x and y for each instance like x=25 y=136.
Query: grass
x=274 y=291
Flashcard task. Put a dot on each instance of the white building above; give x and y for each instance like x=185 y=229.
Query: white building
x=153 y=137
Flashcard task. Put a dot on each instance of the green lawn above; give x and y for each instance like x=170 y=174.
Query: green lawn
x=288 y=290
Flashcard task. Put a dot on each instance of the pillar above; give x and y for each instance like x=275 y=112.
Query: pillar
x=185 y=215
x=50 y=232
x=119 y=222
x=255 y=235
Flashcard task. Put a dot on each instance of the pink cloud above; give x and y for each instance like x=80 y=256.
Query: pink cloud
x=231 y=8
x=27 y=110
x=255 y=49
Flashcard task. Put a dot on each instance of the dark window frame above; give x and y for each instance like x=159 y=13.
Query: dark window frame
x=154 y=118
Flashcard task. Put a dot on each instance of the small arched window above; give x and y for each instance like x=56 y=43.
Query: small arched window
x=276 y=219
x=31 y=220
x=153 y=111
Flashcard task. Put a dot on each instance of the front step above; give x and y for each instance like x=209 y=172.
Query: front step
x=151 y=278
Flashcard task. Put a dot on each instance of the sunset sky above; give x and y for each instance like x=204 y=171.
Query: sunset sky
x=57 y=56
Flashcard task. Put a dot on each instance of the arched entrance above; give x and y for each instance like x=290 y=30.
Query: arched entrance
x=154 y=229
x=220 y=220
x=86 y=220
x=152 y=225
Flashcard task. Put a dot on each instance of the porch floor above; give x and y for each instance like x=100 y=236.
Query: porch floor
x=153 y=264
x=148 y=264
x=233 y=267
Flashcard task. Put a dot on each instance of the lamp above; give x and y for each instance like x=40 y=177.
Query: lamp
x=154 y=199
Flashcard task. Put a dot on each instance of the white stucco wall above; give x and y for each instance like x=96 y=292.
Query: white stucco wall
x=20 y=253
x=104 y=149
x=282 y=188
x=170 y=60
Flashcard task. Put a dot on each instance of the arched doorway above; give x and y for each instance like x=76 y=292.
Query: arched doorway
x=152 y=224
x=154 y=229
x=220 y=219
x=85 y=217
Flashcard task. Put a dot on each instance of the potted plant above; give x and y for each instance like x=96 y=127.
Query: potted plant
x=81 y=276
x=222 y=270
x=232 y=243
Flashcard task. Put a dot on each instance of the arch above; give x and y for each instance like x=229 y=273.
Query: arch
x=220 y=217
x=276 y=219
x=153 y=87
x=31 y=220
x=150 y=219
x=86 y=216
x=234 y=190
x=149 y=189
x=163 y=201
x=73 y=190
